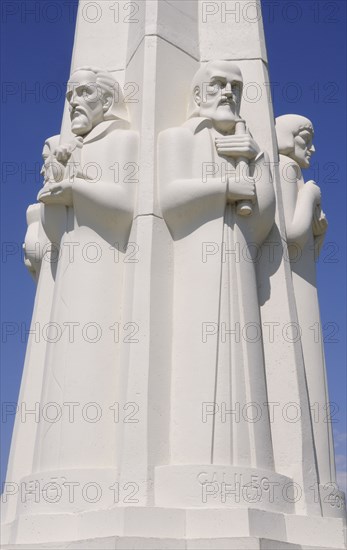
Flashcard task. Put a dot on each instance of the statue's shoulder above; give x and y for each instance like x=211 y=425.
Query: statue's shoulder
x=110 y=130
x=285 y=158
x=183 y=136
x=123 y=132
x=290 y=171
x=175 y=137
x=197 y=124
x=290 y=163
x=122 y=138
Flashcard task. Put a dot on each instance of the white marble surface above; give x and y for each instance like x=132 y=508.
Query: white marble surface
x=189 y=265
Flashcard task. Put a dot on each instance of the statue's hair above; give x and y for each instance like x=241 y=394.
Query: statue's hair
x=110 y=86
x=287 y=127
x=200 y=78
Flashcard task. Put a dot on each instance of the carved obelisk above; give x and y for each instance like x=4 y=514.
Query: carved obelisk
x=163 y=216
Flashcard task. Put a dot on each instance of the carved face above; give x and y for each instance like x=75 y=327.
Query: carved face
x=303 y=148
x=87 y=100
x=219 y=97
x=45 y=158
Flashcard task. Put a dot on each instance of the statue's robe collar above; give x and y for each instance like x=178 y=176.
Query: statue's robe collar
x=104 y=128
x=196 y=124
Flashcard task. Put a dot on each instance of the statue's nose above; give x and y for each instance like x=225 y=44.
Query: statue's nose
x=73 y=101
x=312 y=149
x=228 y=90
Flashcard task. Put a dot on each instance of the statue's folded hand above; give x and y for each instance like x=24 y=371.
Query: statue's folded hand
x=315 y=191
x=56 y=193
x=238 y=191
x=319 y=222
x=63 y=153
x=242 y=145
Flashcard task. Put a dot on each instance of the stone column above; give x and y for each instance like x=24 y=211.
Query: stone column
x=155 y=491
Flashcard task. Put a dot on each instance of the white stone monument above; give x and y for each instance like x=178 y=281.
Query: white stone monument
x=159 y=245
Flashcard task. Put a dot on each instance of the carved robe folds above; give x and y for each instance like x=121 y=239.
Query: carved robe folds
x=215 y=300
x=299 y=208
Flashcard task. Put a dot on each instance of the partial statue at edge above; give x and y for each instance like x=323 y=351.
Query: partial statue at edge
x=306 y=225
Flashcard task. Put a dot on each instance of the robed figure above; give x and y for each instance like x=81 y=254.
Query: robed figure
x=218 y=201
x=306 y=225
x=96 y=191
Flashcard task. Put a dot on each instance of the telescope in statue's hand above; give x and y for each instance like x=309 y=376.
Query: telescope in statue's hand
x=244 y=207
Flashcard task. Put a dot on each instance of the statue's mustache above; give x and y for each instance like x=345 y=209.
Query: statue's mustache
x=77 y=110
x=227 y=101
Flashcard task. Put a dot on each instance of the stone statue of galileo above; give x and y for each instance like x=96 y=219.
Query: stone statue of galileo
x=215 y=288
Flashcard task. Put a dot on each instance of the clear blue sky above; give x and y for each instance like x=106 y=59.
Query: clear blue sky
x=306 y=48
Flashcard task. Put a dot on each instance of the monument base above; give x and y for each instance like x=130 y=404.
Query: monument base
x=138 y=543
x=174 y=529
x=131 y=543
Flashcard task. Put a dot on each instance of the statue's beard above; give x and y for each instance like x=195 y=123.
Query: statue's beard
x=80 y=123
x=224 y=120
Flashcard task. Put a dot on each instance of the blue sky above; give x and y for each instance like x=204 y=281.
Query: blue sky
x=306 y=49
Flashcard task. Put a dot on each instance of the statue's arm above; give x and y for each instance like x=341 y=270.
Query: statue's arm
x=298 y=203
x=115 y=191
x=110 y=199
x=319 y=226
x=106 y=195
x=264 y=211
x=32 y=246
x=181 y=192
